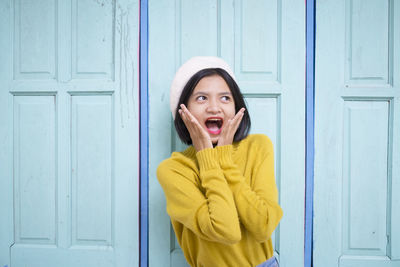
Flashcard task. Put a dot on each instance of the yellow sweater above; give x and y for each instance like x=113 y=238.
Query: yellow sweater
x=223 y=202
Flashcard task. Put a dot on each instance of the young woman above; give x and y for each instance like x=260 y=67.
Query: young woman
x=221 y=192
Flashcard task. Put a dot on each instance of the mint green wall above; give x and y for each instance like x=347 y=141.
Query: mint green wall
x=69 y=137
x=69 y=116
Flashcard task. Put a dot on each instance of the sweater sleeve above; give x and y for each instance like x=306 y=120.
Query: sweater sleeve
x=257 y=205
x=209 y=213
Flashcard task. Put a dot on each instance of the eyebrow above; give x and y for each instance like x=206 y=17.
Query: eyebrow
x=204 y=93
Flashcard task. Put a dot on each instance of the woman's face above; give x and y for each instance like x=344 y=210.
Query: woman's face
x=212 y=104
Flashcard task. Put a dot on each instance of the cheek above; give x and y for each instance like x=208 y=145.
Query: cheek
x=196 y=112
x=232 y=112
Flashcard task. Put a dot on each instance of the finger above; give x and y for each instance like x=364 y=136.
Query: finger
x=183 y=116
x=235 y=121
x=239 y=114
x=187 y=113
x=192 y=119
x=192 y=123
x=233 y=124
x=238 y=118
x=186 y=121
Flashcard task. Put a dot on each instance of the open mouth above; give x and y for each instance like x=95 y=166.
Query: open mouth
x=214 y=125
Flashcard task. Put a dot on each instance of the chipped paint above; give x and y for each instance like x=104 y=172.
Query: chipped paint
x=126 y=66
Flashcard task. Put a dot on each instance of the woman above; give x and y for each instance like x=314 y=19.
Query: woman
x=221 y=192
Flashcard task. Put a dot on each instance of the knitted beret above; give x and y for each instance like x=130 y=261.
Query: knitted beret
x=187 y=70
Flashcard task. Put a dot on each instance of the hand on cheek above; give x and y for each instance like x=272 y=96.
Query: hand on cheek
x=229 y=129
x=200 y=138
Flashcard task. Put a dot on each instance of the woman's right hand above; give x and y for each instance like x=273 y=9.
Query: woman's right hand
x=200 y=138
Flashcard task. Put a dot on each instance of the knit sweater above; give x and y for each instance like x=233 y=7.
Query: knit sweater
x=223 y=202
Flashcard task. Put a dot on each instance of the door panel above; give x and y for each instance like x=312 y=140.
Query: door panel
x=69 y=165
x=257 y=40
x=357 y=134
x=34 y=129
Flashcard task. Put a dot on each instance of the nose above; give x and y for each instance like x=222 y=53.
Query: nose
x=213 y=106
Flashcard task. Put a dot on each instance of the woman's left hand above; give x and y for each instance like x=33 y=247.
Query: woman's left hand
x=229 y=130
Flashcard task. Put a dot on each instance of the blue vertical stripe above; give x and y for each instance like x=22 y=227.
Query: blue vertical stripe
x=309 y=186
x=143 y=136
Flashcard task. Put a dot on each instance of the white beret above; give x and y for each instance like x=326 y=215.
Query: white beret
x=187 y=70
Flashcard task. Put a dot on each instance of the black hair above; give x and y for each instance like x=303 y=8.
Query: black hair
x=244 y=126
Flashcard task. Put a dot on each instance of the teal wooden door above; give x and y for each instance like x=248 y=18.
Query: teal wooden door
x=264 y=42
x=69 y=137
x=357 y=145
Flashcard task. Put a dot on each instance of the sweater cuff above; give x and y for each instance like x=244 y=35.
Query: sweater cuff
x=227 y=164
x=207 y=159
x=225 y=155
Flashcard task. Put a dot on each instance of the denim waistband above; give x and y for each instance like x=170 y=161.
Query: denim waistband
x=271 y=262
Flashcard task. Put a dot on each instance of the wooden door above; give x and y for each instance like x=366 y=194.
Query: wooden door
x=69 y=137
x=357 y=131
x=264 y=42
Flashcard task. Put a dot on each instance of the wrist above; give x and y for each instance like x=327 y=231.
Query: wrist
x=202 y=146
x=224 y=142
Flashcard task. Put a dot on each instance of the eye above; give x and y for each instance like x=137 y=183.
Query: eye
x=225 y=98
x=201 y=98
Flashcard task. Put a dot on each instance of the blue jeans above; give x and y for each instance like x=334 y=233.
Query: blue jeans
x=271 y=262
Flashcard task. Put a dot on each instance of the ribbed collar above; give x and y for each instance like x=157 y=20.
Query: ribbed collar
x=191 y=151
